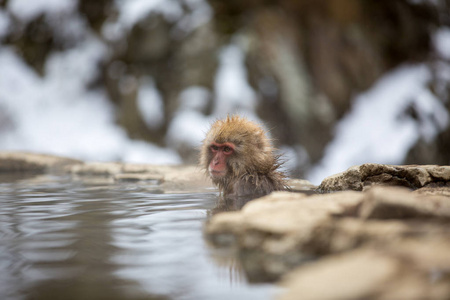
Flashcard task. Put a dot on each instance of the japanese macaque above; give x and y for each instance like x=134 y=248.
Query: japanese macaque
x=240 y=159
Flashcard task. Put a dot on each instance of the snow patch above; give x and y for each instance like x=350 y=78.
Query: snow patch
x=441 y=41
x=233 y=95
x=233 y=92
x=378 y=129
x=199 y=13
x=4 y=23
x=133 y=11
x=143 y=152
x=150 y=104
x=188 y=128
x=74 y=69
x=57 y=114
x=27 y=10
x=194 y=97
x=189 y=124
x=188 y=15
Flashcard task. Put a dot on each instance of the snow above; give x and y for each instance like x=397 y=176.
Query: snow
x=133 y=11
x=79 y=64
x=200 y=13
x=4 y=23
x=27 y=10
x=189 y=128
x=378 y=129
x=57 y=114
x=188 y=15
x=233 y=92
x=442 y=42
x=143 y=152
x=189 y=124
x=194 y=97
x=150 y=104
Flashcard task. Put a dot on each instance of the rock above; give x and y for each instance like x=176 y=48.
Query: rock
x=281 y=213
x=271 y=231
x=283 y=230
x=33 y=162
x=145 y=168
x=360 y=177
x=96 y=169
x=139 y=177
x=343 y=234
x=172 y=179
x=185 y=178
x=124 y=169
x=348 y=180
x=408 y=269
x=398 y=203
x=442 y=191
x=301 y=185
x=351 y=276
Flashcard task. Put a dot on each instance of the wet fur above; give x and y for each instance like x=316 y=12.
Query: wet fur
x=253 y=168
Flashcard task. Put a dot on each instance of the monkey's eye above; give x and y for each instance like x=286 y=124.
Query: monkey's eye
x=214 y=148
x=227 y=149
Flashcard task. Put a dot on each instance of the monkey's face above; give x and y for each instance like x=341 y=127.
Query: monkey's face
x=219 y=154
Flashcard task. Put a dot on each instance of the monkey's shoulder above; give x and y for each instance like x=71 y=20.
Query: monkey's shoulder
x=258 y=184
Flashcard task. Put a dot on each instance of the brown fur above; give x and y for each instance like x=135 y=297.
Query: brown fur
x=252 y=168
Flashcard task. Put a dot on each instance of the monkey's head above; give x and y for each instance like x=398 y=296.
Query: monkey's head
x=234 y=147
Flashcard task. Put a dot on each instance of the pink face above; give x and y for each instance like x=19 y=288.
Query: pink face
x=218 y=164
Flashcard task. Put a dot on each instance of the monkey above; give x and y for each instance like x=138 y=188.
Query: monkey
x=239 y=158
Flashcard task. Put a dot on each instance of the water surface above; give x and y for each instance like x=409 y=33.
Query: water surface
x=62 y=238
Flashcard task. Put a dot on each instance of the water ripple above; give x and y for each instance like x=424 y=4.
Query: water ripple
x=59 y=237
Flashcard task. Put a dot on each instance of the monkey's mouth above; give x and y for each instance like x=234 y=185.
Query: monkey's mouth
x=216 y=174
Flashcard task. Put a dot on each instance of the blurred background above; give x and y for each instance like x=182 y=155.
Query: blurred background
x=337 y=83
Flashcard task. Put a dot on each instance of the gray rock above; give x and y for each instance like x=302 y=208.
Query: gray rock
x=11 y=162
x=398 y=203
x=409 y=269
x=96 y=169
x=301 y=185
x=283 y=230
x=439 y=191
x=139 y=177
x=343 y=234
x=351 y=276
x=281 y=213
x=172 y=179
x=270 y=232
x=360 y=177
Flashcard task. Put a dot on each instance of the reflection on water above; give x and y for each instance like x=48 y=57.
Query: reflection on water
x=230 y=204
x=64 y=239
